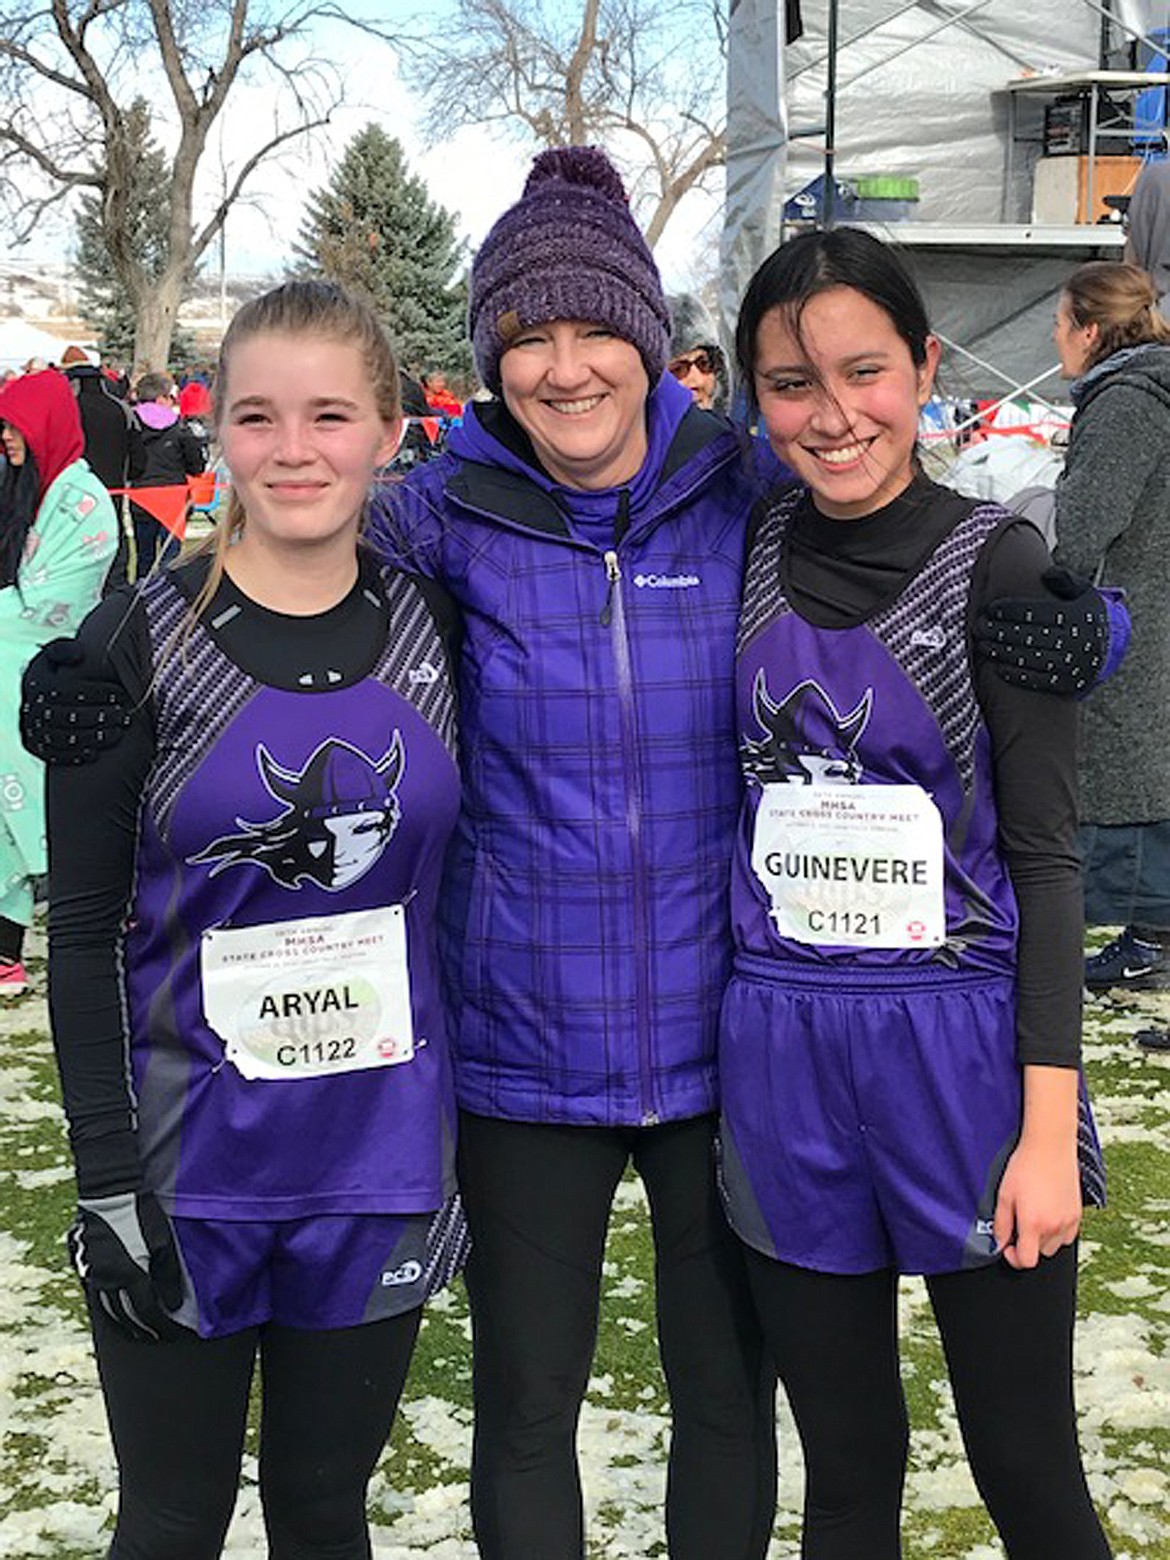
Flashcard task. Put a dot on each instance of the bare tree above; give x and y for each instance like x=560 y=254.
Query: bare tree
x=643 y=77
x=70 y=71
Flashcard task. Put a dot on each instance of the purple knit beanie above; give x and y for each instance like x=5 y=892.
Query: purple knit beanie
x=569 y=249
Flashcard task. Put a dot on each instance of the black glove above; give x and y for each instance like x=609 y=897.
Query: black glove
x=71 y=709
x=123 y=1250
x=1058 y=643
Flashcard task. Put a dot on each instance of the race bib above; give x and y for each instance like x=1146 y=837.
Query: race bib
x=854 y=866
x=308 y=999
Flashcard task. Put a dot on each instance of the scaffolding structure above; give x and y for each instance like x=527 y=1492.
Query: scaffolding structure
x=920 y=88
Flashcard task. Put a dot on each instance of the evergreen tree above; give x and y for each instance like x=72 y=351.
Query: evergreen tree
x=375 y=229
x=104 y=300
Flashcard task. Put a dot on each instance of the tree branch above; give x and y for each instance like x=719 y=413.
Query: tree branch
x=172 y=61
x=20 y=56
x=95 y=87
x=579 y=62
x=625 y=67
x=28 y=210
x=213 y=224
x=73 y=178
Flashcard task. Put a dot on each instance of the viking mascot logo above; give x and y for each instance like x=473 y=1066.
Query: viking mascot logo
x=339 y=812
x=807 y=740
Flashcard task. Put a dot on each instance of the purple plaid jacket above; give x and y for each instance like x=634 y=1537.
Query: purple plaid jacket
x=586 y=902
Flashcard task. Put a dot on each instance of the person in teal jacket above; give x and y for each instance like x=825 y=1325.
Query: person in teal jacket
x=57 y=534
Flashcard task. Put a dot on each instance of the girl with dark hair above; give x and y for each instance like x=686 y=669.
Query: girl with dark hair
x=1113 y=524
x=57 y=534
x=244 y=973
x=899 y=1049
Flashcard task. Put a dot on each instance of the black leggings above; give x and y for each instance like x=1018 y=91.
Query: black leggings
x=1007 y=1337
x=538 y=1199
x=11 y=940
x=177 y=1414
x=154 y=545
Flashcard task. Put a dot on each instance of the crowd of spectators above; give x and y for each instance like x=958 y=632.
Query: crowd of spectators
x=143 y=435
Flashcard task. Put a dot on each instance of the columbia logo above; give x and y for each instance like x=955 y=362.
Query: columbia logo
x=423 y=675
x=666 y=581
x=932 y=638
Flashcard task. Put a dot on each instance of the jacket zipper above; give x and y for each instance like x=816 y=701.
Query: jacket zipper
x=614 y=613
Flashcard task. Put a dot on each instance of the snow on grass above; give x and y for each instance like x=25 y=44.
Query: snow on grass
x=57 y=1476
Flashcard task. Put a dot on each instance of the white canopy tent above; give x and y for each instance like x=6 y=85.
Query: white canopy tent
x=20 y=341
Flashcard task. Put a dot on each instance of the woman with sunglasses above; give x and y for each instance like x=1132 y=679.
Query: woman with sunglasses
x=696 y=360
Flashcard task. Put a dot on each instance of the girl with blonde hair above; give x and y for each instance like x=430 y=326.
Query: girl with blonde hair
x=244 y=973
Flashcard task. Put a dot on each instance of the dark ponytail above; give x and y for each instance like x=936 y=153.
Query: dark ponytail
x=20 y=488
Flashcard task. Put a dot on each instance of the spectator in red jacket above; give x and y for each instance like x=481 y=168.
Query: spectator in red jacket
x=439 y=396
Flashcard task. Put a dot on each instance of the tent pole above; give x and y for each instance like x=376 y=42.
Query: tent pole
x=827 y=193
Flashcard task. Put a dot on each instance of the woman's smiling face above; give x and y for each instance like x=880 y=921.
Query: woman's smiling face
x=302 y=435
x=579 y=392
x=841 y=398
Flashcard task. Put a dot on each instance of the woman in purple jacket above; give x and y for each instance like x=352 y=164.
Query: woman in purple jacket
x=589 y=521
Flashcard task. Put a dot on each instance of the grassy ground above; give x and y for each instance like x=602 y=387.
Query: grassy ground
x=57 y=1476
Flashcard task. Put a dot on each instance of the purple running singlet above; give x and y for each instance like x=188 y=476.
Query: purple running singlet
x=871 y=1091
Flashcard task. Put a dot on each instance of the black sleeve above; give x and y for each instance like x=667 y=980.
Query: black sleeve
x=136 y=454
x=93 y=829
x=1034 y=738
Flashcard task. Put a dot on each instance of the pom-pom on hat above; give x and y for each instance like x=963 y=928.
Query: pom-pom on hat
x=569 y=249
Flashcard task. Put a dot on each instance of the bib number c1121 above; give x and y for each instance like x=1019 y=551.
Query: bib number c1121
x=858 y=866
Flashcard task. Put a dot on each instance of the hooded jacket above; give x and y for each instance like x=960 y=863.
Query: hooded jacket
x=586 y=901
x=693 y=328
x=65 y=558
x=168 y=451
x=1113 y=525
x=42 y=407
x=107 y=424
